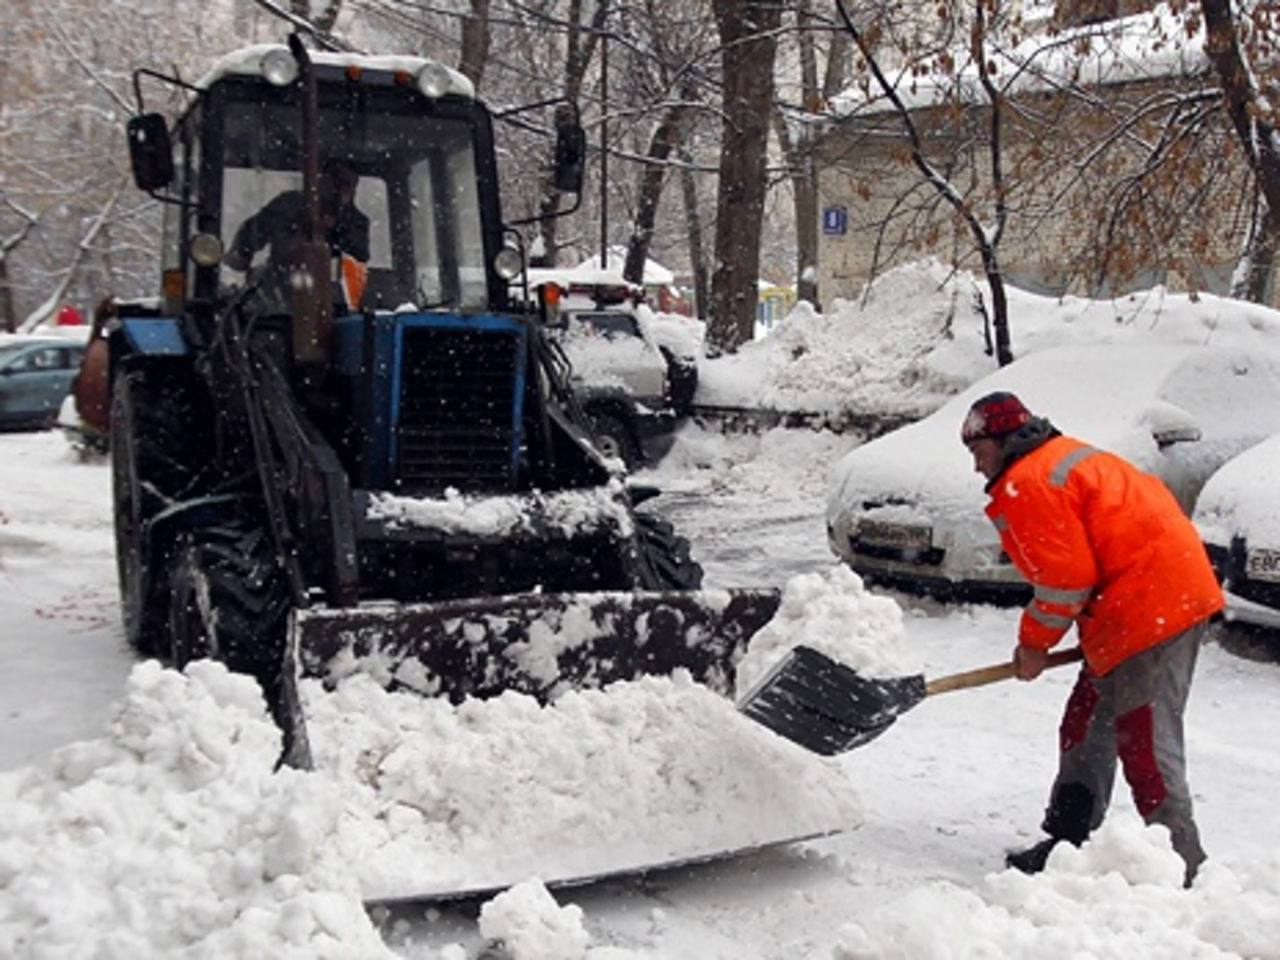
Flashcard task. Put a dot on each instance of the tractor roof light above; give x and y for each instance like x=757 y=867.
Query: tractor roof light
x=279 y=68
x=434 y=80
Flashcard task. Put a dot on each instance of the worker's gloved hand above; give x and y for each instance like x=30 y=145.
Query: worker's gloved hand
x=1028 y=662
x=235 y=260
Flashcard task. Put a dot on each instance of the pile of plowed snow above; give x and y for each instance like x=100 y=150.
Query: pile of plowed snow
x=173 y=836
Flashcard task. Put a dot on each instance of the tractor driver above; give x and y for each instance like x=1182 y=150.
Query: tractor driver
x=280 y=224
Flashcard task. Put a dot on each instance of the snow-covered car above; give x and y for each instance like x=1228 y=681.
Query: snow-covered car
x=906 y=509
x=35 y=375
x=633 y=377
x=1238 y=516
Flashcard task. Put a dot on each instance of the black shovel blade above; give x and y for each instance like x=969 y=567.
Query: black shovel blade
x=826 y=706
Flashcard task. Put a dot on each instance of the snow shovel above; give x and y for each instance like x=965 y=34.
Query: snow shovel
x=829 y=708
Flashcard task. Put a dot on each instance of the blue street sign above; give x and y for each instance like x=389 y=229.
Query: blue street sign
x=835 y=220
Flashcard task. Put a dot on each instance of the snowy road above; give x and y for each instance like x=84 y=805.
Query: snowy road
x=944 y=792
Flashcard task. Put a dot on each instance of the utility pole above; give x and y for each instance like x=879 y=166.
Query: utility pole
x=604 y=136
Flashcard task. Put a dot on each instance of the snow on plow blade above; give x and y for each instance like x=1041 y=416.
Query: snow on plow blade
x=538 y=644
x=401 y=706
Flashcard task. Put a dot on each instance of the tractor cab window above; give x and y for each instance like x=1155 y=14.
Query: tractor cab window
x=417 y=220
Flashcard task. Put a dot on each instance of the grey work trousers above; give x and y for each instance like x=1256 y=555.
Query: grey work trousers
x=1133 y=715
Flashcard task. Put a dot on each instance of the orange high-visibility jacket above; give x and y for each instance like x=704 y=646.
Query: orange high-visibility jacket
x=1105 y=546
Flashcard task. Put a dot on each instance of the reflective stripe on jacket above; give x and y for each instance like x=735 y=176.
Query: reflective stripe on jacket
x=1104 y=546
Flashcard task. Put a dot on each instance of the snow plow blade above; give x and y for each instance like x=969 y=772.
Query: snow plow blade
x=537 y=644
x=654 y=773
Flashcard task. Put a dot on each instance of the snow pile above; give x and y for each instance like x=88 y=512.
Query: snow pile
x=529 y=923
x=834 y=614
x=918 y=334
x=171 y=838
x=493 y=792
x=1126 y=880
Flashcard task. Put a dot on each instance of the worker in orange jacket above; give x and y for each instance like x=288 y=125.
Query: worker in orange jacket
x=1108 y=548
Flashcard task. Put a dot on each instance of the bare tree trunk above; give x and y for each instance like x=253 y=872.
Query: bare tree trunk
x=323 y=20
x=748 y=45
x=652 y=176
x=693 y=218
x=475 y=42
x=1251 y=280
x=8 y=310
x=1257 y=136
x=804 y=199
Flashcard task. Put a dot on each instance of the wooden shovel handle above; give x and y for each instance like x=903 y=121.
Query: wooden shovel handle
x=1000 y=671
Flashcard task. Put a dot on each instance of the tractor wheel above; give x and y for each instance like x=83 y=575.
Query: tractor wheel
x=614 y=439
x=151 y=465
x=229 y=602
x=667 y=563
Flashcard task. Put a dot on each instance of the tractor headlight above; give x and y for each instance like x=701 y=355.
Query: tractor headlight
x=279 y=68
x=206 y=250
x=434 y=80
x=508 y=264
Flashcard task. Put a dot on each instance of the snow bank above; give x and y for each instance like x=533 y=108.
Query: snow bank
x=170 y=837
x=1126 y=881
x=918 y=334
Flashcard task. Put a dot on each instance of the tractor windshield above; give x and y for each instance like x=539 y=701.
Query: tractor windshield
x=410 y=210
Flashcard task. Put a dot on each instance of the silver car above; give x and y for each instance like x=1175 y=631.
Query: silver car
x=906 y=509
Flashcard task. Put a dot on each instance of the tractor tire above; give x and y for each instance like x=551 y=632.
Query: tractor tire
x=230 y=602
x=151 y=465
x=667 y=563
x=614 y=438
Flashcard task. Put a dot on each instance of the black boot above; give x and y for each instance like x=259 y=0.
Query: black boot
x=1032 y=859
x=1069 y=817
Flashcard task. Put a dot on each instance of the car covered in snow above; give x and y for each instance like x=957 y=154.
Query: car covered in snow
x=906 y=509
x=634 y=376
x=1238 y=516
x=35 y=376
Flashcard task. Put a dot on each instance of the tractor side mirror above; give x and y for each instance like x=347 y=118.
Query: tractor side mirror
x=150 y=153
x=571 y=156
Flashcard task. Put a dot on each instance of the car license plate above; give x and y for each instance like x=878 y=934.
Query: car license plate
x=894 y=534
x=1264 y=564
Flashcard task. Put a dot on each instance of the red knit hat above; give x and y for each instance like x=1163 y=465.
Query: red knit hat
x=993 y=416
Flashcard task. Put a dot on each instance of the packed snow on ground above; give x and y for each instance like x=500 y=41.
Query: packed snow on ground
x=140 y=815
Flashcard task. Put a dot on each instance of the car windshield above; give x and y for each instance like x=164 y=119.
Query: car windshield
x=610 y=324
x=9 y=351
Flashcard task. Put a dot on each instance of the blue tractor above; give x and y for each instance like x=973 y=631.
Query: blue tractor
x=339 y=441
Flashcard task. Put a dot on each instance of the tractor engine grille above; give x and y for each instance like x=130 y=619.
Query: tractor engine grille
x=459 y=390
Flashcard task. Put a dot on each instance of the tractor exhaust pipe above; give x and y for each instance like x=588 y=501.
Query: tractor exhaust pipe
x=311 y=299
